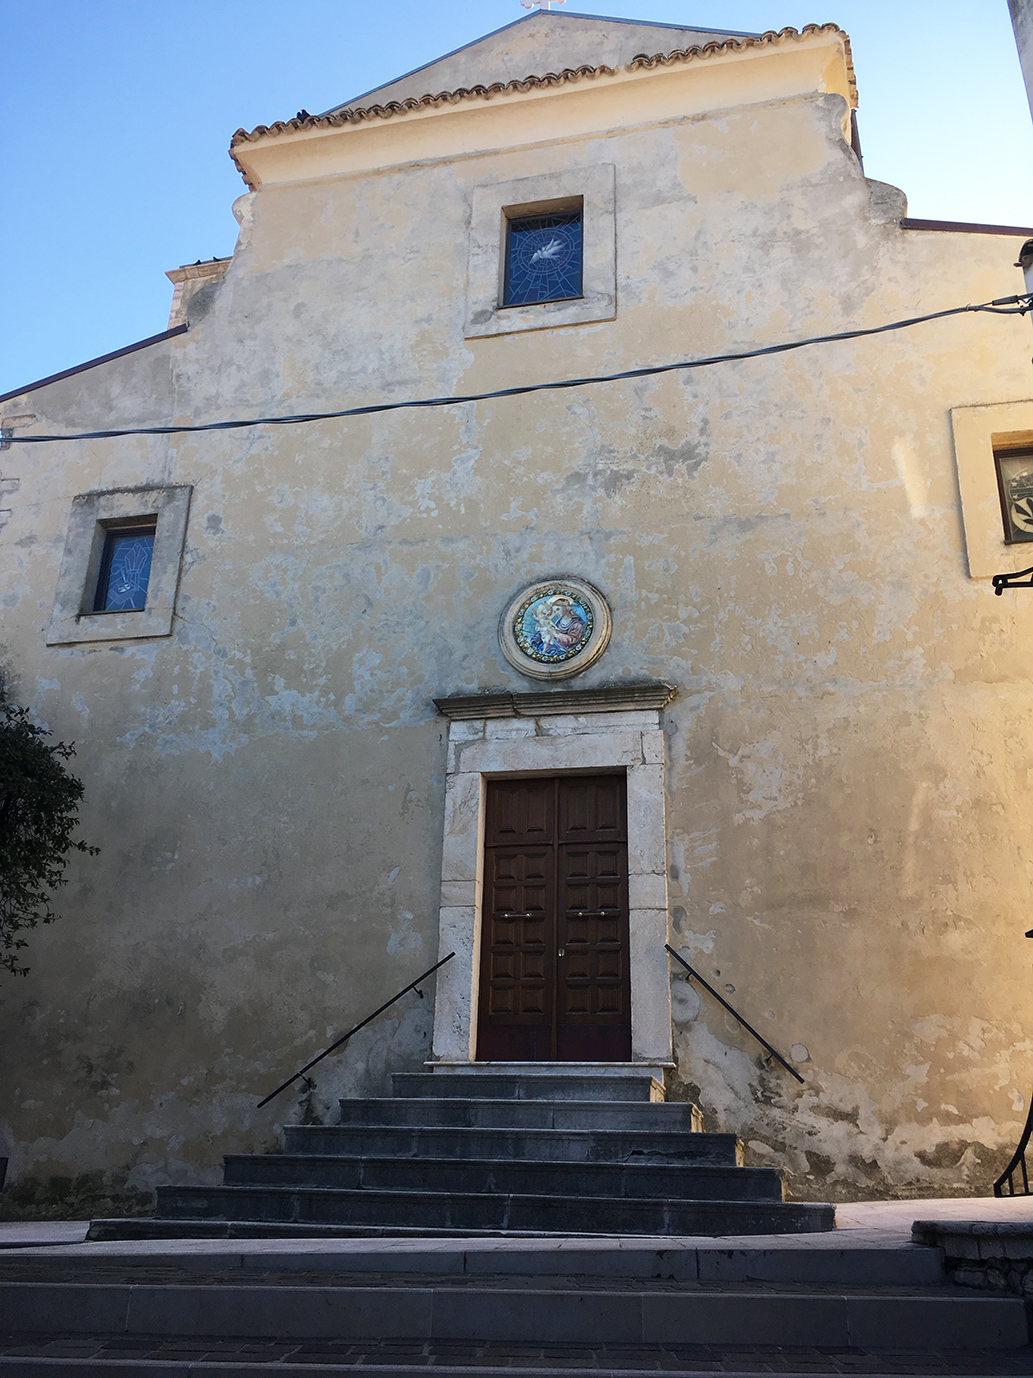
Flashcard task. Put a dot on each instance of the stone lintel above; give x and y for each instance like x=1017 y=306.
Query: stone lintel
x=205 y=271
x=608 y=698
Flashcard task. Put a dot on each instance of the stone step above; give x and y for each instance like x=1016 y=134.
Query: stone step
x=574 y=1214
x=497 y=1362
x=646 y=1359
x=682 y=1182
x=547 y=1086
x=624 y=1116
x=521 y=1145
x=426 y=1308
x=137 y=1229
x=660 y=1144
x=819 y=1260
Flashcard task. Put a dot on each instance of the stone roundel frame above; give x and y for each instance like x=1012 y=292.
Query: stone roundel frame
x=590 y=651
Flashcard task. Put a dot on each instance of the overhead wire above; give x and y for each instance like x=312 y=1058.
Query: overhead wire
x=1002 y=306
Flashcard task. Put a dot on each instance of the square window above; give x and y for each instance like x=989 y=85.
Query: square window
x=1015 y=485
x=543 y=258
x=125 y=568
x=120 y=572
x=542 y=252
x=993 y=449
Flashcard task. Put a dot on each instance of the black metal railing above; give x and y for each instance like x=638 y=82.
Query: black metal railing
x=413 y=985
x=734 y=1013
x=1018 y=1158
x=1018 y=1163
x=1013 y=581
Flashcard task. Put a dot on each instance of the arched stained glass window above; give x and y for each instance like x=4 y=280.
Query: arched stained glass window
x=125 y=569
x=543 y=258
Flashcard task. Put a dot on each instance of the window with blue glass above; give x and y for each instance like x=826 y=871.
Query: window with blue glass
x=543 y=258
x=125 y=569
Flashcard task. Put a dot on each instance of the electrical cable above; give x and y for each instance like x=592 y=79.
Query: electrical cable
x=1003 y=306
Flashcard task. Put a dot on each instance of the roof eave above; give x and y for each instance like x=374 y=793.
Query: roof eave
x=358 y=115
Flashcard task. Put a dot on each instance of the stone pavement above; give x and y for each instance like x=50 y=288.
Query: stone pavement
x=35 y=1234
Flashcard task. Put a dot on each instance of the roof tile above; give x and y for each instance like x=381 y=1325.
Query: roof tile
x=361 y=114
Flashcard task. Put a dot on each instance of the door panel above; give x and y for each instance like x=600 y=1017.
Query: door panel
x=555 y=980
x=593 y=807
x=520 y=935
x=594 y=984
x=520 y=811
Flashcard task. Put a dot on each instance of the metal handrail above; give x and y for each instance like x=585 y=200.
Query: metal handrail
x=345 y=1037
x=1018 y=1160
x=748 y=1027
x=1017 y=580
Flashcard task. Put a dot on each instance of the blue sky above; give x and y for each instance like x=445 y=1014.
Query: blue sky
x=117 y=117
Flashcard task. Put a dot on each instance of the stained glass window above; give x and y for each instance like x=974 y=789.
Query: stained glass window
x=125 y=569
x=543 y=258
x=1015 y=480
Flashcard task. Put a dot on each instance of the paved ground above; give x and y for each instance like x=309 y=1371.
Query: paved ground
x=33 y=1234
x=892 y=1219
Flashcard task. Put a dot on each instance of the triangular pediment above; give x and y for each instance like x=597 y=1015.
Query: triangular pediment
x=541 y=42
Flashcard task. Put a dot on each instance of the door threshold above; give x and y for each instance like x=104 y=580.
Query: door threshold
x=552 y=1068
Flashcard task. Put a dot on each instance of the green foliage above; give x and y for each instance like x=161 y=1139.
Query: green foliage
x=39 y=805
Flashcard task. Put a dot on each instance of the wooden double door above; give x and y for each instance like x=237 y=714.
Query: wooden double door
x=555 y=983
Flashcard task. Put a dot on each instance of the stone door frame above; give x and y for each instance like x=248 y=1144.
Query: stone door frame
x=498 y=735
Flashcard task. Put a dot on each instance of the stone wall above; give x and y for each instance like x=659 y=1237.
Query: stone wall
x=988 y=1256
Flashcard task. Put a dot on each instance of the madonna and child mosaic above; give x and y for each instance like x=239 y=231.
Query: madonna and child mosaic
x=555 y=629
x=553 y=626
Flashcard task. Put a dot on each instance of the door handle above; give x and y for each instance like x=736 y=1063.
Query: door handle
x=561 y=952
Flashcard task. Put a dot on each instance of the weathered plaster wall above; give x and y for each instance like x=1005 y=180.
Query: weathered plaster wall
x=848 y=759
x=1022 y=23
x=547 y=40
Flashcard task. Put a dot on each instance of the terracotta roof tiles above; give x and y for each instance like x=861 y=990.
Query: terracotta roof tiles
x=361 y=114
x=733 y=44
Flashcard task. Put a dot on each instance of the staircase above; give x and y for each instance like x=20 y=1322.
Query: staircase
x=474 y=1154
x=497 y=1308
x=467 y=1224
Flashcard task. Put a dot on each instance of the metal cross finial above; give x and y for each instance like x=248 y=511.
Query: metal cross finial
x=543 y=5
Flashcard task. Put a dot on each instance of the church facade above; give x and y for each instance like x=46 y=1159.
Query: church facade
x=707 y=658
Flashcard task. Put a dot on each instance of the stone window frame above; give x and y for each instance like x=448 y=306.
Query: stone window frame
x=593 y=190
x=93 y=515
x=979 y=432
x=510 y=735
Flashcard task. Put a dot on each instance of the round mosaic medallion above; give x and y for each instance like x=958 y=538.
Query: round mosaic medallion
x=555 y=628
